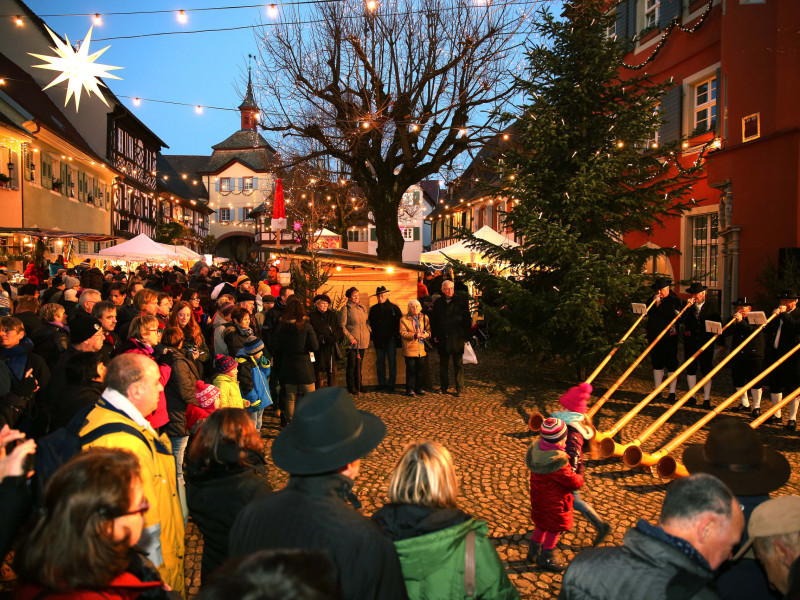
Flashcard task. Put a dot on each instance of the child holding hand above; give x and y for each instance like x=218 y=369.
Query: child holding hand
x=552 y=481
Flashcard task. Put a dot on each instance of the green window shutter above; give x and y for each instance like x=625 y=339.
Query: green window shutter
x=416 y=197
x=373 y=234
x=416 y=234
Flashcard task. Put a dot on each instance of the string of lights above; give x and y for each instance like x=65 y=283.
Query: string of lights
x=187 y=10
x=673 y=25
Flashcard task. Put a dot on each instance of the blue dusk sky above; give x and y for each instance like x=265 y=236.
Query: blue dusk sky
x=208 y=69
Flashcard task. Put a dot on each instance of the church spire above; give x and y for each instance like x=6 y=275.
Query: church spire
x=248 y=107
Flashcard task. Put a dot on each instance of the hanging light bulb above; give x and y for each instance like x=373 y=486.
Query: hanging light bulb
x=272 y=11
x=18 y=21
x=182 y=17
x=371 y=5
x=137 y=101
x=97 y=20
x=198 y=109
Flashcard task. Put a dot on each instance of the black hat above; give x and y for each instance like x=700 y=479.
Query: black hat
x=82 y=327
x=327 y=433
x=381 y=290
x=324 y=297
x=742 y=302
x=696 y=288
x=245 y=297
x=268 y=299
x=661 y=282
x=734 y=453
x=787 y=295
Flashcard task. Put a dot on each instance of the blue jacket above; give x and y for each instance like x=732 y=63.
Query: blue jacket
x=254 y=380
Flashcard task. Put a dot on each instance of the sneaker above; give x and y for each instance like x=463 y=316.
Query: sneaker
x=707 y=404
x=791 y=425
x=756 y=412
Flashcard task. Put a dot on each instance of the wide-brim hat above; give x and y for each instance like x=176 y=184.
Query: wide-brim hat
x=661 y=282
x=788 y=294
x=327 y=433
x=742 y=302
x=381 y=290
x=696 y=288
x=734 y=453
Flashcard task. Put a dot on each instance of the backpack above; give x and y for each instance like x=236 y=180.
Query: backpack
x=56 y=448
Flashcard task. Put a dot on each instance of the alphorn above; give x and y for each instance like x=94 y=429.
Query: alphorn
x=608 y=447
x=632 y=454
x=596 y=406
x=668 y=466
x=536 y=419
x=664 y=452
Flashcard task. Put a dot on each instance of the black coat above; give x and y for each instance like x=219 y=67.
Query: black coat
x=215 y=497
x=788 y=323
x=384 y=323
x=74 y=397
x=180 y=389
x=329 y=332
x=30 y=321
x=292 y=358
x=739 y=332
x=312 y=513
x=451 y=324
x=270 y=326
x=661 y=314
x=235 y=337
x=694 y=326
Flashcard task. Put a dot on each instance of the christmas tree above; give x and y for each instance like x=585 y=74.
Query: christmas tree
x=582 y=169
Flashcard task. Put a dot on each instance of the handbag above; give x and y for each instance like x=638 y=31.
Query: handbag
x=469 y=565
x=469 y=355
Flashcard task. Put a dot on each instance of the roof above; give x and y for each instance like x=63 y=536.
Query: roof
x=176 y=185
x=244 y=139
x=193 y=166
x=249 y=101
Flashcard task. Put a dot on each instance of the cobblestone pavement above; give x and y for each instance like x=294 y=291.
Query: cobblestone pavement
x=485 y=430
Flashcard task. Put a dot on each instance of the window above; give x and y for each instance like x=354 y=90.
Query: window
x=705 y=105
x=247 y=183
x=611 y=30
x=356 y=235
x=225 y=184
x=224 y=215
x=702 y=253
x=47 y=171
x=652 y=10
x=408 y=233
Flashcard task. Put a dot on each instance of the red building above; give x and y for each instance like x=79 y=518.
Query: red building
x=736 y=64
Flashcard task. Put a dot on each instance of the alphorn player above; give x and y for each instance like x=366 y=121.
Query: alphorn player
x=785 y=332
x=695 y=335
x=749 y=361
x=664 y=355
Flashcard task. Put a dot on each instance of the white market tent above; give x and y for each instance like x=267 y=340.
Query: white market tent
x=461 y=251
x=140 y=248
x=184 y=252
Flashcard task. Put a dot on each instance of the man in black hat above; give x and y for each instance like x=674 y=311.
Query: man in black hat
x=664 y=356
x=784 y=334
x=326 y=325
x=384 y=323
x=321 y=449
x=695 y=335
x=451 y=324
x=733 y=453
x=749 y=361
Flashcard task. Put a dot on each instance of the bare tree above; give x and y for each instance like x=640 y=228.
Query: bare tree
x=395 y=91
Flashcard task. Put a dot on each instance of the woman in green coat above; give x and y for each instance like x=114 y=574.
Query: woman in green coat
x=430 y=532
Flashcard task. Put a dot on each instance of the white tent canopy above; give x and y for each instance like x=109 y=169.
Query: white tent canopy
x=140 y=248
x=184 y=252
x=461 y=251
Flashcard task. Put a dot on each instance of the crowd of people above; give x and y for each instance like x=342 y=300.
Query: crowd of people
x=132 y=402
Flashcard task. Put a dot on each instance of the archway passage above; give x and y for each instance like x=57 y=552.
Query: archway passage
x=235 y=246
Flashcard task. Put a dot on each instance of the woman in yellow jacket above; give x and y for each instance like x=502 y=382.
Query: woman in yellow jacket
x=415 y=328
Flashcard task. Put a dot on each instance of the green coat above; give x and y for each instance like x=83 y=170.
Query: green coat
x=433 y=564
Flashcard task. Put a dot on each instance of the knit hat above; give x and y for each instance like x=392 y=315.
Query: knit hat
x=575 y=398
x=241 y=279
x=71 y=282
x=224 y=364
x=206 y=394
x=82 y=327
x=553 y=430
x=253 y=345
x=70 y=295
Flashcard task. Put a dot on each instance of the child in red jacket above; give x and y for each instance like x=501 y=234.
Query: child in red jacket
x=552 y=481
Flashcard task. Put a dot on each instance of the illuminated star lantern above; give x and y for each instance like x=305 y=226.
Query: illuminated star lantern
x=77 y=68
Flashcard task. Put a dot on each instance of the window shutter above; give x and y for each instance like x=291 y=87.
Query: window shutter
x=240 y=183
x=670 y=129
x=416 y=234
x=718 y=127
x=630 y=15
x=216 y=216
x=622 y=20
x=255 y=183
x=216 y=185
x=373 y=234
x=669 y=10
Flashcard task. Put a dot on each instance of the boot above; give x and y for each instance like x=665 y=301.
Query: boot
x=533 y=551
x=548 y=562
x=603 y=529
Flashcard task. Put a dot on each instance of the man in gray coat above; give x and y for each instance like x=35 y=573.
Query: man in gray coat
x=700 y=523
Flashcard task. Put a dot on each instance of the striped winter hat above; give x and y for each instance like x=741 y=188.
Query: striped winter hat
x=553 y=430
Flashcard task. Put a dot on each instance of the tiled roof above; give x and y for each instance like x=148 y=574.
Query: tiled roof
x=193 y=166
x=244 y=139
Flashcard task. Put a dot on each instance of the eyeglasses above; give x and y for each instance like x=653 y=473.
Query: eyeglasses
x=143 y=508
x=156 y=330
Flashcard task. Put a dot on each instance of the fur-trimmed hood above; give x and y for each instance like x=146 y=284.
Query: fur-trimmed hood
x=545 y=461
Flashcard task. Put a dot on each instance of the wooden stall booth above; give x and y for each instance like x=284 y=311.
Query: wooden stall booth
x=347 y=269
